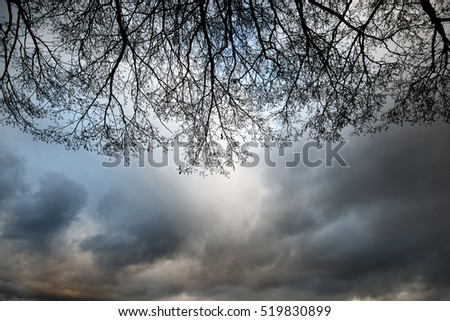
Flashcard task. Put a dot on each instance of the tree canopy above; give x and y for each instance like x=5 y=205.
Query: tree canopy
x=90 y=74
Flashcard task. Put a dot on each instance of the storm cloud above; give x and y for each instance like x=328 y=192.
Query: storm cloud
x=134 y=231
x=377 y=229
x=382 y=222
x=36 y=215
x=11 y=174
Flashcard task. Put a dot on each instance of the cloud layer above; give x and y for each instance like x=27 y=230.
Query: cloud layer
x=375 y=230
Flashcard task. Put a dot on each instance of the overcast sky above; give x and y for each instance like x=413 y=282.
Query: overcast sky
x=378 y=229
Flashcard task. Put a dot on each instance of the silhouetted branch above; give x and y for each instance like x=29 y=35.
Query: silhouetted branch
x=96 y=72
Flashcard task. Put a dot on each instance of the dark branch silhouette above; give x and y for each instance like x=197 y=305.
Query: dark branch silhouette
x=125 y=74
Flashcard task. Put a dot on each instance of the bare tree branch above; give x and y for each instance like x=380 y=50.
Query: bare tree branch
x=122 y=74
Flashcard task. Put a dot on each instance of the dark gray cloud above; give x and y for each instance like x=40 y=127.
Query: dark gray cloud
x=36 y=215
x=11 y=291
x=11 y=174
x=384 y=221
x=135 y=230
